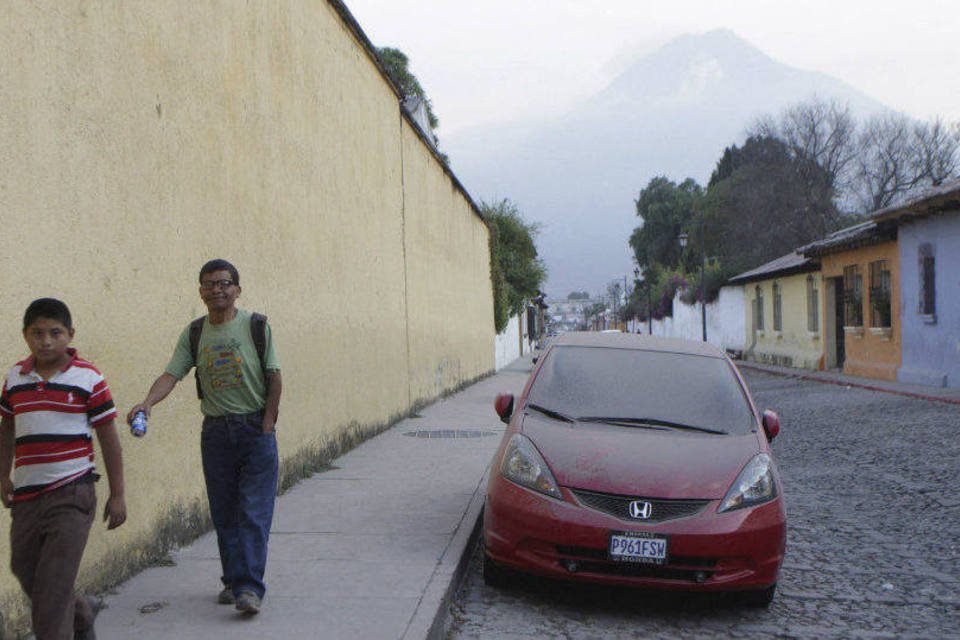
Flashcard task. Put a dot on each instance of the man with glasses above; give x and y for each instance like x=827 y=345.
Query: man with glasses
x=239 y=385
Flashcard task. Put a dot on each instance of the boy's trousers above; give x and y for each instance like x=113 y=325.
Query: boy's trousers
x=47 y=538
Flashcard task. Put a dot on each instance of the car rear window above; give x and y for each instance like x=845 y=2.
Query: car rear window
x=688 y=389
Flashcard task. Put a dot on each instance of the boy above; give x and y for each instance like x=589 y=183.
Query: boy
x=50 y=404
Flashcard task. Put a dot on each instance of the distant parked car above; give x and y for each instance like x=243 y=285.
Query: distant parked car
x=640 y=461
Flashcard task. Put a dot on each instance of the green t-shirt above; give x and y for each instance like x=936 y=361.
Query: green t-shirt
x=230 y=374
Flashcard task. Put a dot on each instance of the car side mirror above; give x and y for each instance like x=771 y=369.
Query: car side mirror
x=771 y=425
x=504 y=406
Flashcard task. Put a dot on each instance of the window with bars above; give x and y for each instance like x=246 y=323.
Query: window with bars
x=777 y=308
x=852 y=296
x=813 y=305
x=758 y=320
x=928 y=290
x=879 y=294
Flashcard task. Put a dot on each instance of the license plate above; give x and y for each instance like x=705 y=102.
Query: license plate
x=638 y=547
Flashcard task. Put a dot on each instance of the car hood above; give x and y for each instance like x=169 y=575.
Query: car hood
x=643 y=462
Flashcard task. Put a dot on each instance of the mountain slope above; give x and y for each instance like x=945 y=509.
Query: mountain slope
x=671 y=113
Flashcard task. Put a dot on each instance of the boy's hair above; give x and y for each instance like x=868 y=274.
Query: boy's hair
x=220 y=265
x=47 y=308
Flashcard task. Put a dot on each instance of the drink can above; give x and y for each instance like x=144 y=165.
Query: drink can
x=139 y=425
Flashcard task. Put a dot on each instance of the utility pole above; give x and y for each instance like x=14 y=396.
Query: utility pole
x=646 y=284
x=703 y=278
x=703 y=270
x=624 y=313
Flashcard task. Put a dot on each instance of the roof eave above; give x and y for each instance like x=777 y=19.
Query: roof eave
x=931 y=206
x=874 y=233
x=808 y=267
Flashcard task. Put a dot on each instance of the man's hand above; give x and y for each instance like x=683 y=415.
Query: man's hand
x=115 y=512
x=138 y=407
x=269 y=424
x=6 y=492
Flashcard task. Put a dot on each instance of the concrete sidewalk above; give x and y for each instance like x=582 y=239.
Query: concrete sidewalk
x=371 y=548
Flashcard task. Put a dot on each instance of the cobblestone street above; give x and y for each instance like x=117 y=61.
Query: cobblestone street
x=871 y=483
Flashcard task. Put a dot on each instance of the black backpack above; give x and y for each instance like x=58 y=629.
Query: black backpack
x=258 y=331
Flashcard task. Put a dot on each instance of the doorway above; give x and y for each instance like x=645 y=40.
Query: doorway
x=838 y=312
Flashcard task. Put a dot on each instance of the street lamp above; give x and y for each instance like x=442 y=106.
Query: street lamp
x=683 y=237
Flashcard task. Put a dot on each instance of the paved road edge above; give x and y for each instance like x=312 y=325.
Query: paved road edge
x=430 y=619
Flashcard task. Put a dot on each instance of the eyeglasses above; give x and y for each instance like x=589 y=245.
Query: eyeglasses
x=210 y=285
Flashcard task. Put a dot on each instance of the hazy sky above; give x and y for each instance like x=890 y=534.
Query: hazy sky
x=502 y=60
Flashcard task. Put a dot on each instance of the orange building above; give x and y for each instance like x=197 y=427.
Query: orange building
x=861 y=300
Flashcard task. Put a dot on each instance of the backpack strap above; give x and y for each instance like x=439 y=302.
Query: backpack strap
x=258 y=332
x=196 y=328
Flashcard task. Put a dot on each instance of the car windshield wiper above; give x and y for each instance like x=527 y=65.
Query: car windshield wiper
x=650 y=422
x=556 y=415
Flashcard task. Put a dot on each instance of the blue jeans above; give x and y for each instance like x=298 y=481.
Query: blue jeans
x=240 y=465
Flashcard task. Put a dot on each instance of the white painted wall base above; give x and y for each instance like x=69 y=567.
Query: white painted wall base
x=507 y=344
x=726 y=321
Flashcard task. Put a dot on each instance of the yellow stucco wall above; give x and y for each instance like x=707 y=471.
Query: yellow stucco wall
x=870 y=353
x=448 y=279
x=141 y=139
x=794 y=345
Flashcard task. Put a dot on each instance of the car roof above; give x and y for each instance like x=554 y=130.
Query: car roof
x=636 y=341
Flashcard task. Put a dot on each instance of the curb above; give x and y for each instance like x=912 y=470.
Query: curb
x=431 y=619
x=847 y=383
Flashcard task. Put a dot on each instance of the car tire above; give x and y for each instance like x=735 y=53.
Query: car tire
x=759 y=599
x=495 y=575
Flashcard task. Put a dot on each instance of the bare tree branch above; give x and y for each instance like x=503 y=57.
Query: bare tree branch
x=898 y=157
x=936 y=146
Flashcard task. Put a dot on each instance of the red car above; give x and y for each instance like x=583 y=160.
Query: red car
x=638 y=461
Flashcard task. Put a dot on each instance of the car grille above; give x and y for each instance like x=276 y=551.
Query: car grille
x=619 y=506
x=589 y=560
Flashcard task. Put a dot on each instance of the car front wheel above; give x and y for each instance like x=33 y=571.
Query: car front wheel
x=759 y=599
x=495 y=575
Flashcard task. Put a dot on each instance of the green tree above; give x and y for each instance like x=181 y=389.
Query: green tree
x=397 y=65
x=594 y=310
x=759 y=206
x=666 y=209
x=516 y=271
x=578 y=295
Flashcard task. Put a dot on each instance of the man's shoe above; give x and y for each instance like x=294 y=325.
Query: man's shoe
x=95 y=604
x=248 y=602
x=226 y=596
x=85 y=634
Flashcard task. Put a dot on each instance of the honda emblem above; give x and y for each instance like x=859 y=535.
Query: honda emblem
x=641 y=510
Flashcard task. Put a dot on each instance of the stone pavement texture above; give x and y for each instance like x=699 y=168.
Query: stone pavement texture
x=373 y=547
x=370 y=548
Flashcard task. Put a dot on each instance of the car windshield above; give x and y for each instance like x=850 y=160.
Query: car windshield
x=633 y=387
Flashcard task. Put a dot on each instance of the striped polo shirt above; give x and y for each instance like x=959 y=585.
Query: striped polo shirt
x=53 y=420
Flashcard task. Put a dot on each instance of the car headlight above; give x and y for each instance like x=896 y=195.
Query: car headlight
x=524 y=465
x=755 y=485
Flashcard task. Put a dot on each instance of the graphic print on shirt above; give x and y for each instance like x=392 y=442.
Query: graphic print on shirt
x=223 y=364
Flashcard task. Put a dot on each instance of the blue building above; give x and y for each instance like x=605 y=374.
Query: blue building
x=929 y=244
